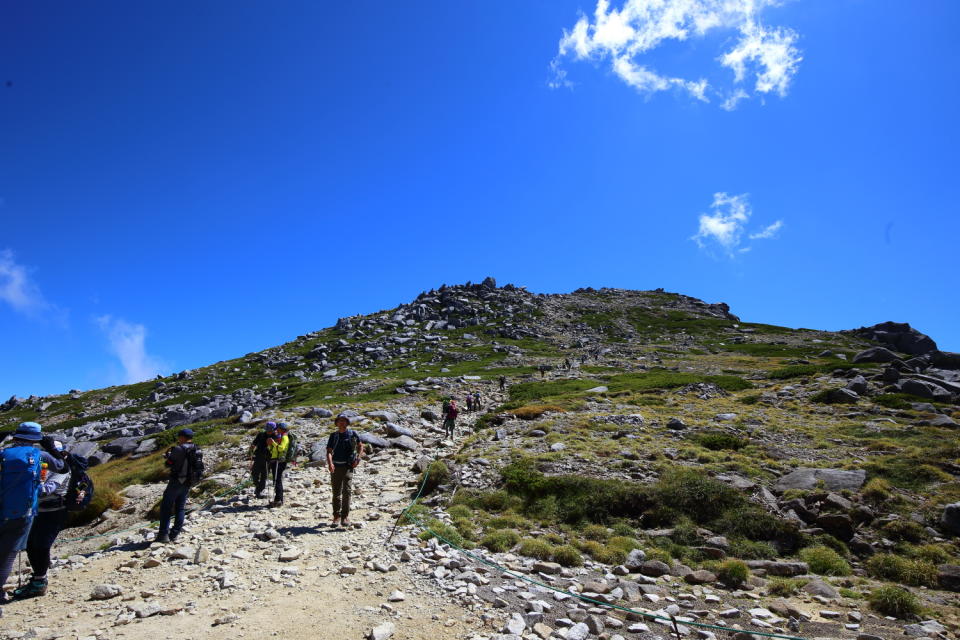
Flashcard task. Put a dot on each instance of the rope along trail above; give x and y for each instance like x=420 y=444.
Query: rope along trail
x=405 y=514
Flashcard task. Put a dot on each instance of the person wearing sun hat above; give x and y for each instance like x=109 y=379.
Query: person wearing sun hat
x=23 y=465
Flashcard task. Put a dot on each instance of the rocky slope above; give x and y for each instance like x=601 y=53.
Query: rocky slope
x=834 y=457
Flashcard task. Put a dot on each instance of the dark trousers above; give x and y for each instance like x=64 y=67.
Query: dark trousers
x=13 y=537
x=174 y=504
x=46 y=527
x=259 y=475
x=448 y=426
x=342 y=478
x=277 y=467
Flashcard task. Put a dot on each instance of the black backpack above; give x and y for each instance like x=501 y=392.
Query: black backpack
x=80 y=489
x=195 y=466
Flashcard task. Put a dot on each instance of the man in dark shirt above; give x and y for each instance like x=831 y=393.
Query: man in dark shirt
x=174 y=501
x=344 y=451
x=259 y=453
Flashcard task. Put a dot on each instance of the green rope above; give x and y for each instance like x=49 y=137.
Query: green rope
x=518 y=576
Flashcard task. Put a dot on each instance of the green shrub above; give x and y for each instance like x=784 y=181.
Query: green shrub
x=752 y=522
x=660 y=554
x=602 y=553
x=720 y=441
x=447 y=533
x=801 y=370
x=536 y=548
x=906 y=472
x=567 y=556
x=465 y=527
x=507 y=521
x=750 y=398
x=595 y=532
x=693 y=493
x=500 y=540
x=733 y=572
x=932 y=553
x=626 y=543
x=623 y=529
x=894 y=568
x=784 y=587
x=877 y=491
x=750 y=550
x=905 y=530
x=894 y=601
x=898 y=400
x=685 y=533
x=436 y=474
x=460 y=511
x=825 y=561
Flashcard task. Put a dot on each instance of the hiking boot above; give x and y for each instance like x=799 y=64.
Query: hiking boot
x=346 y=522
x=33 y=589
x=336 y=521
x=162 y=539
x=173 y=536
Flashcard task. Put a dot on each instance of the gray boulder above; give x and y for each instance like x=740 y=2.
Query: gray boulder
x=949 y=577
x=99 y=457
x=429 y=414
x=84 y=449
x=858 y=385
x=122 y=446
x=833 y=479
x=925 y=389
x=395 y=430
x=373 y=440
x=950 y=519
x=383 y=416
x=317 y=412
x=875 y=354
x=404 y=442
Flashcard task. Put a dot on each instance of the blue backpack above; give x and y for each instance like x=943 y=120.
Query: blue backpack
x=19 y=482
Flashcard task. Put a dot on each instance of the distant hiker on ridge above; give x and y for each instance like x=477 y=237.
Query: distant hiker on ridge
x=503 y=382
x=21 y=480
x=186 y=468
x=344 y=451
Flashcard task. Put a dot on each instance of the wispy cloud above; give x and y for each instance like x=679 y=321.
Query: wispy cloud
x=18 y=290
x=766 y=56
x=128 y=343
x=727 y=225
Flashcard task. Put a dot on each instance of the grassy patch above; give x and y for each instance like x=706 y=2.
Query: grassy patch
x=906 y=472
x=894 y=601
x=500 y=540
x=567 y=556
x=803 y=370
x=825 y=561
x=720 y=441
x=914 y=572
x=733 y=573
x=532 y=412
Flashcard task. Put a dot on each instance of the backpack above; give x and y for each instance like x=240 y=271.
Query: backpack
x=452 y=412
x=349 y=437
x=19 y=481
x=80 y=490
x=291 y=447
x=195 y=466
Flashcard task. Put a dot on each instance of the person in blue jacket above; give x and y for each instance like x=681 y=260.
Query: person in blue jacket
x=22 y=473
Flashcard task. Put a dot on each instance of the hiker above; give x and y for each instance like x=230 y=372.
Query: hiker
x=469 y=401
x=259 y=453
x=186 y=467
x=50 y=519
x=476 y=401
x=446 y=406
x=503 y=382
x=449 y=419
x=344 y=452
x=566 y=363
x=22 y=475
x=278 y=447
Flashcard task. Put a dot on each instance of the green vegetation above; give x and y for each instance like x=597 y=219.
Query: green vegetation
x=914 y=572
x=803 y=370
x=720 y=441
x=825 y=561
x=906 y=472
x=894 y=601
x=733 y=573
x=785 y=587
x=500 y=540
x=898 y=400
x=536 y=548
x=436 y=474
x=567 y=556
x=904 y=530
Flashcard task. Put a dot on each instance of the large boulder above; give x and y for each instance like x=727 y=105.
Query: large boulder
x=833 y=479
x=84 y=449
x=949 y=577
x=317 y=412
x=875 y=354
x=373 y=440
x=383 y=416
x=394 y=430
x=924 y=389
x=122 y=446
x=950 y=519
x=839 y=525
x=404 y=442
x=900 y=336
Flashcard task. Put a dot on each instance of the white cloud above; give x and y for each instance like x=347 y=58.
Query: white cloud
x=770 y=232
x=128 y=343
x=624 y=36
x=726 y=226
x=17 y=289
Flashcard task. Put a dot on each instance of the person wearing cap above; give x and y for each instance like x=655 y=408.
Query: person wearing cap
x=50 y=519
x=259 y=454
x=21 y=477
x=344 y=451
x=174 y=502
x=277 y=447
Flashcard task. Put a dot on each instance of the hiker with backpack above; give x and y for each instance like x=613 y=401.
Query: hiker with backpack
x=50 y=519
x=450 y=418
x=344 y=452
x=259 y=453
x=279 y=448
x=503 y=382
x=476 y=401
x=186 y=469
x=22 y=477
x=469 y=401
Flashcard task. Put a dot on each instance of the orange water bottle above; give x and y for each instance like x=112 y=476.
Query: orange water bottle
x=44 y=471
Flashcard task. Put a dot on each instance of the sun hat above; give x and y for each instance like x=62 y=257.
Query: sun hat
x=30 y=431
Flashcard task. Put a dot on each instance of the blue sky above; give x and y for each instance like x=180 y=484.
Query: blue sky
x=182 y=183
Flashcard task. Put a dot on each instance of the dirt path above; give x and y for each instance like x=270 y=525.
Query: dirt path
x=337 y=586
